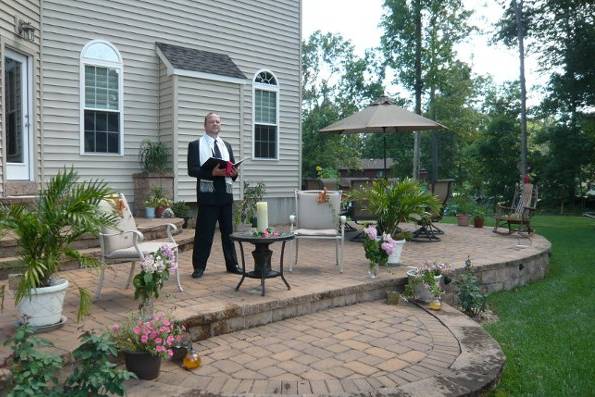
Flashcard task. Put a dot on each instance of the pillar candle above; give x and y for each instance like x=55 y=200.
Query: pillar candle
x=262 y=216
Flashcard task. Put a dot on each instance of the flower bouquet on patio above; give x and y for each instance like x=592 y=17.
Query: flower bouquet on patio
x=145 y=343
x=377 y=248
x=424 y=282
x=155 y=270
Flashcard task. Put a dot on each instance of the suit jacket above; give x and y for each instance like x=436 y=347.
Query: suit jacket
x=210 y=190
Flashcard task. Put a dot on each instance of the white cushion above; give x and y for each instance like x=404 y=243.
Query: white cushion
x=146 y=247
x=316 y=232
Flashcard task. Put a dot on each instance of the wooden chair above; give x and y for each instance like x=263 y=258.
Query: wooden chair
x=124 y=243
x=519 y=213
x=314 y=220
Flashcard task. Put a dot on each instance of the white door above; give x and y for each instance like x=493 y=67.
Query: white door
x=17 y=111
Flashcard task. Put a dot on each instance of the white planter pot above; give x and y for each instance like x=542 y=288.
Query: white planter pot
x=422 y=292
x=44 y=306
x=395 y=257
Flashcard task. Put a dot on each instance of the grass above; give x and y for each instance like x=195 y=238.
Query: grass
x=547 y=329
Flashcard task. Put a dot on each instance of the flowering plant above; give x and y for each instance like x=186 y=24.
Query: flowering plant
x=428 y=276
x=378 y=250
x=155 y=269
x=156 y=336
x=269 y=232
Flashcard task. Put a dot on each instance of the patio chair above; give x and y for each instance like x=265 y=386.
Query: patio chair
x=358 y=210
x=524 y=204
x=318 y=220
x=442 y=189
x=124 y=243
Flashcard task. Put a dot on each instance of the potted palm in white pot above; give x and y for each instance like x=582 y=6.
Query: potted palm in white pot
x=395 y=202
x=65 y=211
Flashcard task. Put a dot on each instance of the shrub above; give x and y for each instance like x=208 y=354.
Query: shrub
x=469 y=295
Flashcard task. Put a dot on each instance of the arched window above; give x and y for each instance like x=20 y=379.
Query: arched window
x=266 y=115
x=101 y=99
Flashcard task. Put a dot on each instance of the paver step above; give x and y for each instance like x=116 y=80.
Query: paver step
x=8 y=265
x=152 y=229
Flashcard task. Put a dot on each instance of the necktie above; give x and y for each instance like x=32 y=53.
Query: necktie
x=216 y=150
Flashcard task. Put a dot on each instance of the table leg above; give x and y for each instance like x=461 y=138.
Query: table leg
x=243 y=266
x=281 y=265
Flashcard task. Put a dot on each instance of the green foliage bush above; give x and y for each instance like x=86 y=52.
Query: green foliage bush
x=469 y=295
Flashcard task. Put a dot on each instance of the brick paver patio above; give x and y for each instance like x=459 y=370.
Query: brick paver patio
x=349 y=346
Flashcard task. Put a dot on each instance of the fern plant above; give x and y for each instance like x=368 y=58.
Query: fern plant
x=65 y=211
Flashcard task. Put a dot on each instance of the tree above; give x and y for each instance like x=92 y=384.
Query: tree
x=418 y=41
x=336 y=83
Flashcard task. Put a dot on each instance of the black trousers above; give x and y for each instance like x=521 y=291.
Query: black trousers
x=208 y=215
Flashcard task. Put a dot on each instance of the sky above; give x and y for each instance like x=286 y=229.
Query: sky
x=359 y=23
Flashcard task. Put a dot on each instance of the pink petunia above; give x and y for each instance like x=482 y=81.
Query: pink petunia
x=170 y=340
x=116 y=328
x=166 y=322
x=170 y=352
x=136 y=330
x=144 y=339
x=158 y=341
x=160 y=349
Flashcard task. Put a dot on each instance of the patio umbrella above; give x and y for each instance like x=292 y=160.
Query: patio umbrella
x=382 y=116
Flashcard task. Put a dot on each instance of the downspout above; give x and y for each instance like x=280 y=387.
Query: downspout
x=241 y=130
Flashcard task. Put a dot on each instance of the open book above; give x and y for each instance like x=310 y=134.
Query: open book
x=213 y=161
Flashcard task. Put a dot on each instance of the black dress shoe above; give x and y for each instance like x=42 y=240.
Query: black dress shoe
x=197 y=273
x=235 y=270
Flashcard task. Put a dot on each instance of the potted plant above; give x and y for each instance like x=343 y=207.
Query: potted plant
x=153 y=157
x=479 y=214
x=464 y=208
x=423 y=282
x=181 y=210
x=151 y=204
x=163 y=204
x=394 y=202
x=245 y=209
x=65 y=211
x=145 y=343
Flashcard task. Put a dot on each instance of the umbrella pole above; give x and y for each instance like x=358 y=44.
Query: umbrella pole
x=384 y=145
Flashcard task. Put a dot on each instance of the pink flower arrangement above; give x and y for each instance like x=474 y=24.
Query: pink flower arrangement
x=158 y=336
x=377 y=250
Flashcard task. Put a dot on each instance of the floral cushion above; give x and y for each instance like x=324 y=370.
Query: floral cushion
x=119 y=205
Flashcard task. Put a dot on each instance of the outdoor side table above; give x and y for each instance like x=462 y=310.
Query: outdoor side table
x=262 y=257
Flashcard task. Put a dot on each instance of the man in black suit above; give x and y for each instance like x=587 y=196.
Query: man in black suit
x=214 y=196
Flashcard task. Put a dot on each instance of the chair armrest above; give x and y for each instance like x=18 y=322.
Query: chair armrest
x=292 y=222
x=343 y=219
x=171 y=228
x=136 y=234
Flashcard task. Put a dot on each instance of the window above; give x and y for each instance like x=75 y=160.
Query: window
x=266 y=116
x=101 y=99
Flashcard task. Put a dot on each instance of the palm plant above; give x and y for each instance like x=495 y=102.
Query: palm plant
x=395 y=202
x=65 y=211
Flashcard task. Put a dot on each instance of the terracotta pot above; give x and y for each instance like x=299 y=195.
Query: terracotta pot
x=143 y=364
x=478 y=221
x=159 y=211
x=463 y=219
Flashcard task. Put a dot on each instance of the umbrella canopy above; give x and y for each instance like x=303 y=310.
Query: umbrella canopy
x=382 y=116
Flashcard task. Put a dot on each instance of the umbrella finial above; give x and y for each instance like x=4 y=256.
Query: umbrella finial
x=382 y=100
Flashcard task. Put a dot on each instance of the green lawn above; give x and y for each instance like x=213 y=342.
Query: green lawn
x=547 y=328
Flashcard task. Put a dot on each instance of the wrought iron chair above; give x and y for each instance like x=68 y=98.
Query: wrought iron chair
x=318 y=220
x=519 y=213
x=124 y=243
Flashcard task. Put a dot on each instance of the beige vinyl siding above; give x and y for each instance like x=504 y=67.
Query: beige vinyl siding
x=256 y=35
x=28 y=11
x=196 y=98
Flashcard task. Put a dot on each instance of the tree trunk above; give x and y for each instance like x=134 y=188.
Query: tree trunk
x=520 y=27
x=418 y=86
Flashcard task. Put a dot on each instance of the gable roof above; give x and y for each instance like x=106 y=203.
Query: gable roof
x=198 y=63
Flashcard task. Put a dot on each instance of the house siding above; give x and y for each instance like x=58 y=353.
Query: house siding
x=28 y=11
x=263 y=35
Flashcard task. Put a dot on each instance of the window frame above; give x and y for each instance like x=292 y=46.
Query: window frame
x=119 y=66
x=271 y=88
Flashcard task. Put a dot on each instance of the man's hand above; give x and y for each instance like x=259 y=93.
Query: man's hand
x=219 y=171
x=233 y=173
